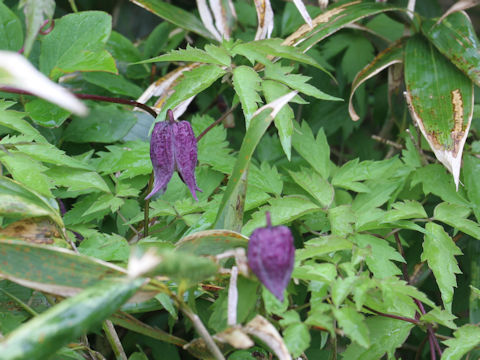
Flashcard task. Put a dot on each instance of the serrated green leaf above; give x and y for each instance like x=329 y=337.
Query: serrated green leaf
x=386 y=335
x=353 y=324
x=380 y=192
x=314 y=150
x=46 y=333
x=189 y=54
x=105 y=247
x=341 y=288
x=11 y=32
x=77 y=44
x=322 y=245
x=35 y=13
x=14 y=120
x=104 y=202
x=297 y=338
x=282 y=210
x=341 y=219
x=313 y=271
x=246 y=83
x=77 y=179
x=192 y=83
x=455 y=215
x=407 y=209
x=315 y=185
x=266 y=178
x=45 y=113
x=437 y=315
x=51 y=154
x=466 y=338
x=439 y=251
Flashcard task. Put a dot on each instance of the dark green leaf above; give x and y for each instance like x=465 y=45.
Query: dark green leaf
x=11 y=32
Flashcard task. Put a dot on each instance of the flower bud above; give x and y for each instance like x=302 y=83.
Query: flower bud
x=271 y=255
x=173 y=147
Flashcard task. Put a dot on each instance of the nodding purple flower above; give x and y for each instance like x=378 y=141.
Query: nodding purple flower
x=271 y=255
x=173 y=147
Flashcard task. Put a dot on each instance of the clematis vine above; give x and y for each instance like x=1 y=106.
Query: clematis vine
x=271 y=255
x=173 y=147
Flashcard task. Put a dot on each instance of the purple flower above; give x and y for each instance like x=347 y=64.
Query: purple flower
x=271 y=255
x=173 y=147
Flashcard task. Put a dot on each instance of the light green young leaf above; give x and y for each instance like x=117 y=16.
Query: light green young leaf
x=314 y=150
x=36 y=11
x=407 y=209
x=77 y=44
x=386 y=336
x=341 y=219
x=321 y=246
x=439 y=251
x=52 y=155
x=437 y=315
x=189 y=54
x=246 y=83
x=455 y=216
x=380 y=192
x=266 y=178
x=45 y=113
x=315 y=185
x=14 y=120
x=353 y=324
x=297 y=338
x=283 y=210
x=103 y=202
x=341 y=288
x=379 y=262
x=466 y=338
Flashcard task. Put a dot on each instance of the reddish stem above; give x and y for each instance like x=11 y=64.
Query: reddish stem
x=403 y=318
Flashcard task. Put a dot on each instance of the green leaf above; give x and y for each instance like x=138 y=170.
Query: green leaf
x=466 y=338
x=175 y=15
x=273 y=90
x=105 y=247
x=407 y=209
x=314 y=150
x=436 y=315
x=341 y=219
x=18 y=201
x=29 y=172
x=321 y=246
x=65 y=322
x=353 y=324
x=379 y=262
x=297 y=338
x=380 y=192
x=211 y=242
x=192 y=83
x=246 y=83
x=259 y=50
x=116 y=84
x=189 y=54
x=455 y=38
x=315 y=185
x=455 y=216
x=440 y=99
x=435 y=180
x=36 y=11
x=14 y=120
x=104 y=123
x=296 y=82
x=77 y=44
x=439 y=251
x=45 y=113
x=282 y=210
x=77 y=179
x=11 y=32
x=391 y=55
x=471 y=169
x=386 y=335
x=351 y=173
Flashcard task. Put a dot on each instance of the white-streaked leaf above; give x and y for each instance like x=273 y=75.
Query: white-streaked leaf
x=35 y=13
x=207 y=19
x=459 y=6
x=220 y=15
x=265 y=19
x=303 y=11
x=16 y=71
x=266 y=332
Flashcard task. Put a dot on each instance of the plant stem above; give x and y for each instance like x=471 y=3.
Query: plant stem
x=114 y=341
x=73 y=5
x=109 y=99
x=216 y=122
x=202 y=331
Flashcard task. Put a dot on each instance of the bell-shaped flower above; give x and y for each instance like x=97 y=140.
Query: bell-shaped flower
x=271 y=255
x=173 y=147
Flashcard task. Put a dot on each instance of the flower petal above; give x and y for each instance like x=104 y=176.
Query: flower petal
x=162 y=156
x=185 y=149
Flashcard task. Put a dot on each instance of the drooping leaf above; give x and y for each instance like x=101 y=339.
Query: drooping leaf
x=440 y=101
x=439 y=251
x=64 y=322
x=391 y=55
x=77 y=44
x=246 y=83
x=466 y=338
x=36 y=11
x=175 y=15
